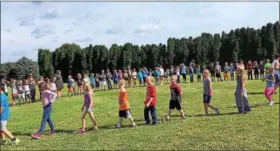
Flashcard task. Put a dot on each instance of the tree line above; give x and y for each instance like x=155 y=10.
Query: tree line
x=242 y=43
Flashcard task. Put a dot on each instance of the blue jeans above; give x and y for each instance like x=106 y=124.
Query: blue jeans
x=150 y=110
x=46 y=118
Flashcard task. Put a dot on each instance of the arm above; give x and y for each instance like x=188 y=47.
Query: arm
x=54 y=95
x=91 y=101
x=211 y=88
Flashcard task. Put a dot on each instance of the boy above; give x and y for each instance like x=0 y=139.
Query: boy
x=175 y=100
x=70 y=86
x=207 y=93
x=150 y=102
x=5 y=116
x=226 y=70
x=124 y=111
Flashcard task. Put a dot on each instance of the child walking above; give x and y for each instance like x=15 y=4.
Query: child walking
x=241 y=97
x=150 y=102
x=176 y=98
x=27 y=92
x=21 y=93
x=14 y=92
x=87 y=108
x=269 y=89
x=5 y=116
x=124 y=111
x=47 y=99
x=208 y=93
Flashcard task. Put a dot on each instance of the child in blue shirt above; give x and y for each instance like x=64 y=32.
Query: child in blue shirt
x=140 y=77
x=5 y=116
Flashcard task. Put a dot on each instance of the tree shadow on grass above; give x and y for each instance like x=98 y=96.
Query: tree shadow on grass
x=255 y=93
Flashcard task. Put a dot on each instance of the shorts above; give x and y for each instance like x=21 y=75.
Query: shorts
x=89 y=109
x=277 y=79
x=103 y=83
x=14 y=96
x=206 y=99
x=175 y=104
x=124 y=113
x=70 y=90
x=3 y=125
x=218 y=75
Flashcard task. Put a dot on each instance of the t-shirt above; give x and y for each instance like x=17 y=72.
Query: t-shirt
x=140 y=75
x=134 y=75
x=267 y=65
x=161 y=71
x=261 y=66
x=232 y=68
x=151 y=92
x=249 y=66
x=275 y=71
x=71 y=83
x=175 y=91
x=123 y=101
x=269 y=83
x=87 y=100
x=206 y=86
x=49 y=97
x=183 y=70
x=14 y=89
x=5 y=115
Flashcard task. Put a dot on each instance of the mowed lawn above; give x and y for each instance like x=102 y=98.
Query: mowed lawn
x=258 y=130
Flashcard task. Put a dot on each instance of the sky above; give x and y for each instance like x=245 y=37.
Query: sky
x=29 y=26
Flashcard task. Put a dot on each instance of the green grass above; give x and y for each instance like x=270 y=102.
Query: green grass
x=258 y=130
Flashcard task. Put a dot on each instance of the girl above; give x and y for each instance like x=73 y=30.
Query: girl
x=124 y=111
x=26 y=90
x=208 y=93
x=80 y=83
x=14 y=92
x=269 y=89
x=176 y=98
x=48 y=97
x=53 y=86
x=87 y=108
x=21 y=94
x=134 y=77
x=241 y=98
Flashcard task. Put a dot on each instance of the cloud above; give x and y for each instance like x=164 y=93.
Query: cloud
x=38 y=3
x=114 y=31
x=50 y=14
x=147 y=29
x=75 y=23
x=7 y=30
x=68 y=31
x=27 y=20
x=42 y=31
x=85 y=40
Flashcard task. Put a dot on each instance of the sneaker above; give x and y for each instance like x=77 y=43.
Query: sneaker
x=167 y=118
x=218 y=111
x=271 y=103
x=35 y=135
x=154 y=123
x=15 y=142
x=81 y=131
x=147 y=123
x=118 y=126
x=53 y=132
x=134 y=125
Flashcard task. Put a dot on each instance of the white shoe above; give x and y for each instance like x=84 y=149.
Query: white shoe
x=271 y=103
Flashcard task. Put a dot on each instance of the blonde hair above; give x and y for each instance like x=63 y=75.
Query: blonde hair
x=122 y=82
x=151 y=79
x=173 y=77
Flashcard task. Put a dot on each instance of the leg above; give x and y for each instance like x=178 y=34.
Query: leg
x=49 y=120
x=119 y=124
x=84 y=121
x=130 y=118
x=46 y=115
x=93 y=120
x=146 y=115
x=154 y=114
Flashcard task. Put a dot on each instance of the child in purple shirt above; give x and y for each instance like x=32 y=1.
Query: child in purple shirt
x=87 y=108
x=47 y=99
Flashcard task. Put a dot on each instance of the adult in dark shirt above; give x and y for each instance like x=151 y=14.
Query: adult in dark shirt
x=59 y=83
x=109 y=79
x=261 y=66
x=256 y=70
x=32 y=87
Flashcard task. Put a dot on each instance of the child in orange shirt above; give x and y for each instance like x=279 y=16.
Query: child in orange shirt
x=124 y=105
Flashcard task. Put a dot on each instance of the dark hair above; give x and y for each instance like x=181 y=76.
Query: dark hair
x=2 y=86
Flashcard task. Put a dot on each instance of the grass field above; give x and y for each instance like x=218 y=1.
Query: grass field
x=258 y=130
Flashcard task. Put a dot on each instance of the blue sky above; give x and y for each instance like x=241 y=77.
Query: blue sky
x=27 y=26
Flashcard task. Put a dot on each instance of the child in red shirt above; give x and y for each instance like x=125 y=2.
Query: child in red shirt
x=175 y=100
x=150 y=102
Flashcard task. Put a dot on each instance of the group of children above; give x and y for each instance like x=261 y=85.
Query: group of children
x=48 y=96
